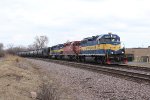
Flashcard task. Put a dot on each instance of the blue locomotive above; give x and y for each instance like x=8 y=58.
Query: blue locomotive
x=104 y=48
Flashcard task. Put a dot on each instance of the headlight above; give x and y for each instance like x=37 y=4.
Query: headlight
x=122 y=52
x=112 y=53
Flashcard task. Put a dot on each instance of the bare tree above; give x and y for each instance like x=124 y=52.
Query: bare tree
x=10 y=49
x=40 y=42
x=1 y=50
x=1 y=46
x=10 y=46
x=13 y=50
x=31 y=47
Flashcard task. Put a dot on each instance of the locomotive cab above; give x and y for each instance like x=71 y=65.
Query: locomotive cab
x=110 y=43
x=112 y=48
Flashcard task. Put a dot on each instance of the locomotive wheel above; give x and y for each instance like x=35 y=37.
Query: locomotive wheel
x=82 y=58
x=100 y=60
x=77 y=59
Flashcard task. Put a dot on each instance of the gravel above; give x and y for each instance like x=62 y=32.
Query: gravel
x=140 y=64
x=80 y=84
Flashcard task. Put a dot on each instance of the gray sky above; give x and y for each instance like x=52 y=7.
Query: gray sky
x=62 y=20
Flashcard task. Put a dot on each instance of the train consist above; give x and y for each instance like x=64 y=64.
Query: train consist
x=103 y=49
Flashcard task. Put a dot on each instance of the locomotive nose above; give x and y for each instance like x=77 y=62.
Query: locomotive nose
x=118 y=52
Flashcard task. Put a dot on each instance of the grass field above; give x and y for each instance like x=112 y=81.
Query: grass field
x=18 y=78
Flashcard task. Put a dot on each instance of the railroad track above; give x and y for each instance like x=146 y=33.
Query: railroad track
x=142 y=73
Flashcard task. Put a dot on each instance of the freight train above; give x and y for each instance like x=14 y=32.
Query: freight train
x=103 y=49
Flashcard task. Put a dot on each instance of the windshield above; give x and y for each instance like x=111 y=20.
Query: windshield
x=108 y=38
x=111 y=38
x=114 y=40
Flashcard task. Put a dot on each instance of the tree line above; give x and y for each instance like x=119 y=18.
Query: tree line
x=39 y=42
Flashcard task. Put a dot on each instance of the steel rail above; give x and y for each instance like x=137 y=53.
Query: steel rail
x=130 y=71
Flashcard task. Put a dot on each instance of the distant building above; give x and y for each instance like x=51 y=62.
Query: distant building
x=138 y=51
x=139 y=54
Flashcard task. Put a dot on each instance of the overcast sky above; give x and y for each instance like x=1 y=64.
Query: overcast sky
x=63 y=20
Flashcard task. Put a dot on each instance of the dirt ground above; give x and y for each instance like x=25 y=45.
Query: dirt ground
x=18 y=78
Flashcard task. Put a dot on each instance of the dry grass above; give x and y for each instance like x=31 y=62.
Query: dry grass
x=20 y=78
x=16 y=83
x=2 y=53
x=48 y=92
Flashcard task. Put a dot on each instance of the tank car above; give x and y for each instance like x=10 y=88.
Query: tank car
x=46 y=52
x=39 y=53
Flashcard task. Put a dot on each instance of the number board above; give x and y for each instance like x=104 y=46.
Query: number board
x=109 y=36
